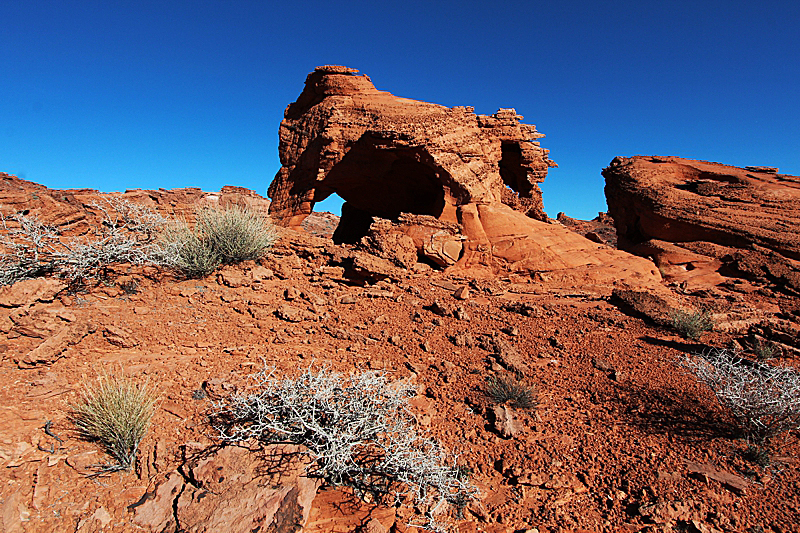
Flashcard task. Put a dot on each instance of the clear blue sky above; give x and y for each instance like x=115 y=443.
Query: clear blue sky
x=116 y=95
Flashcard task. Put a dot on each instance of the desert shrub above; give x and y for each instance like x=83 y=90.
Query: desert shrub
x=358 y=432
x=763 y=399
x=756 y=454
x=692 y=325
x=220 y=235
x=236 y=233
x=115 y=412
x=763 y=350
x=29 y=248
x=187 y=251
x=512 y=390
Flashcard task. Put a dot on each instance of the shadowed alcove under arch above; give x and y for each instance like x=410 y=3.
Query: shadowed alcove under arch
x=379 y=178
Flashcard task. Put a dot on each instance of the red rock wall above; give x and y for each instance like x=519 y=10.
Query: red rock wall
x=71 y=210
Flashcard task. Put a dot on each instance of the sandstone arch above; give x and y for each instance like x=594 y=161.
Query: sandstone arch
x=473 y=177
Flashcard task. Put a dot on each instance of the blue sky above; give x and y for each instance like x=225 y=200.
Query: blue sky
x=116 y=95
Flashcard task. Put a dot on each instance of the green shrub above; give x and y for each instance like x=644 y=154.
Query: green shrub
x=116 y=413
x=235 y=233
x=692 y=325
x=511 y=390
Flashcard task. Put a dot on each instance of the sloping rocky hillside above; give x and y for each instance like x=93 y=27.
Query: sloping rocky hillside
x=621 y=439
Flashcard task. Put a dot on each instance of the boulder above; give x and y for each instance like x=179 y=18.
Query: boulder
x=30 y=291
x=232 y=489
x=701 y=220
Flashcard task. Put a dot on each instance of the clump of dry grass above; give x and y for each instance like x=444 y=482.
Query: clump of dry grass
x=512 y=390
x=220 y=236
x=187 y=251
x=692 y=325
x=115 y=412
x=236 y=233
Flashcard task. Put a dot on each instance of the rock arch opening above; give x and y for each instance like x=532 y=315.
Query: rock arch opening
x=381 y=177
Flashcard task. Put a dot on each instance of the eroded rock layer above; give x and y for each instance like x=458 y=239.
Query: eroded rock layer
x=74 y=211
x=701 y=221
x=397 y=159
x=386 y=155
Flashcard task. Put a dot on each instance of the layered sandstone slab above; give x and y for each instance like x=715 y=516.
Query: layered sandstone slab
x=701 y=221
x=397 y=159
x=72 y=211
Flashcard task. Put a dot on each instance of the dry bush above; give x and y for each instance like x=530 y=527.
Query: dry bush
x=692 y=325
x=220 y=235
x=236 y=233
x=358 y=432
x=186 y=251
x=115 y=412
x=764 y=399
x=28 y=249
x=127 y=234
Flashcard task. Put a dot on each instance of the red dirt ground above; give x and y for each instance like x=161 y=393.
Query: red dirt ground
x=613 y=445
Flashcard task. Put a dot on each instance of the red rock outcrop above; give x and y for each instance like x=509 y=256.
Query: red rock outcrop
x=387 y=156
x=72 y=211
x=701 y=221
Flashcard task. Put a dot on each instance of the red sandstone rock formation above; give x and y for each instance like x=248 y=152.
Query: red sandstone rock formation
x=701 y=220
x=71 y=210
x=387 y=156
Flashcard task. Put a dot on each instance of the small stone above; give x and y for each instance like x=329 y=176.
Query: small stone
x=291 y=294
x=512 y=331
x=461 y=293
x=504 y=422
x=348 y=299
x=261 y=273
x=119 y=337
x=290 y=314
x=463 y=340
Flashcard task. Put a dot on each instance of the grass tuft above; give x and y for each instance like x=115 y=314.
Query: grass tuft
x=230 y=235
x=692 y=325
x=235 y=233
x=115 y=412
x=188 y=252
x=511 y=390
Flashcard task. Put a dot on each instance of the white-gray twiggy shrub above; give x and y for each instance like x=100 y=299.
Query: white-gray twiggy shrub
x=358 y=431
x=127 y=234
x=764 y=399
x=26 y=248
